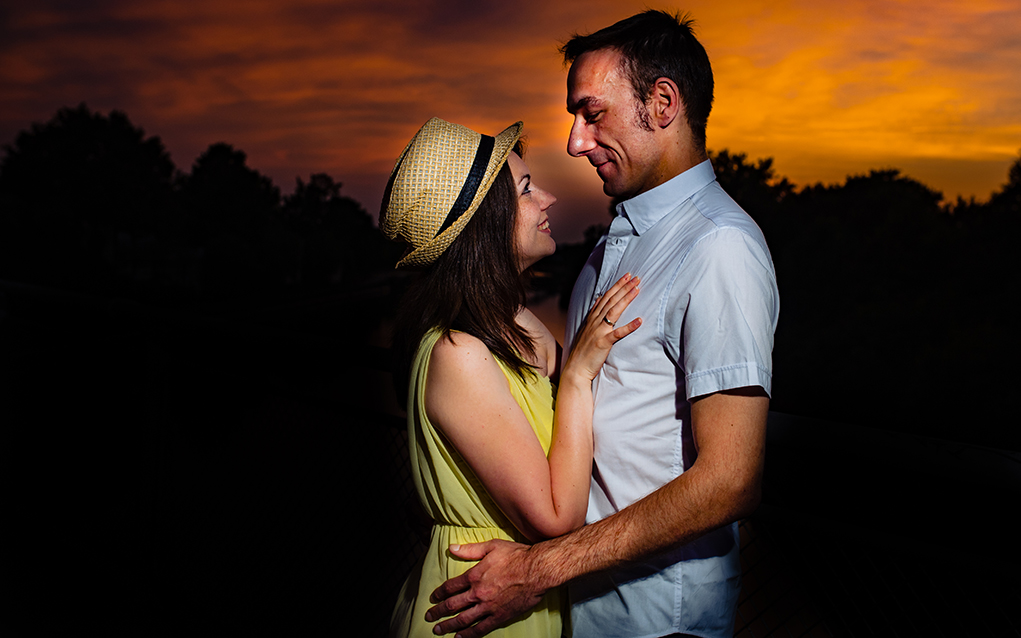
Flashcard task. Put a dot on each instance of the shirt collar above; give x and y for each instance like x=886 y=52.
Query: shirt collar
x=643 y=211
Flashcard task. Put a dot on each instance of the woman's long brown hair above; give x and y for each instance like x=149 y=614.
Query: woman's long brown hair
x=474 y=287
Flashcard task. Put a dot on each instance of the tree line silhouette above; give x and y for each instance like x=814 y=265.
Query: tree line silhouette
x=88 y=203
x=896 y=306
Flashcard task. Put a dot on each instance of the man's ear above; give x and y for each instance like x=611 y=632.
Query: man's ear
x=665 y=103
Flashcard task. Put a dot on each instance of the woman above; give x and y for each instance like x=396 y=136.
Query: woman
x=489 y=456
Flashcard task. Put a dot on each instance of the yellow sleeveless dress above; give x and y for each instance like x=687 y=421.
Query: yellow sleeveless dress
x=461 y=509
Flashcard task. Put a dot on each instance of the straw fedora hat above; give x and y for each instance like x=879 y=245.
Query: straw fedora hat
x=437 y=184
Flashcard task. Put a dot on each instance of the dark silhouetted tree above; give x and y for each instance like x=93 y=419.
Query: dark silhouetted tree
x=80 y=199
x=1008 y=200
x=226 y=197
x=982 y=295
x=875 y=291
x=230 y=207
x=337 y=235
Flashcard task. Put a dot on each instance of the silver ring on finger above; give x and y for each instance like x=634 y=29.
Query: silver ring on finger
x=609 y=323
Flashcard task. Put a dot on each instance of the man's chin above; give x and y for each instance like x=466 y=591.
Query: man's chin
x=612 y=187
x=613 y=190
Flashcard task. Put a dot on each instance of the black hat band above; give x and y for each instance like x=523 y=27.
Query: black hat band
x=471 y=184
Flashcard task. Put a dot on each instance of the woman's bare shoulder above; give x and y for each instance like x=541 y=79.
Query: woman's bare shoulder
x=461 y=355
x=464 y=382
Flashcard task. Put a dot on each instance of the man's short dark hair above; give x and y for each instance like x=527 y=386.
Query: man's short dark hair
x=655 y=44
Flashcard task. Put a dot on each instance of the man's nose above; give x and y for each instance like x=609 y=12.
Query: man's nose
x=580 y=140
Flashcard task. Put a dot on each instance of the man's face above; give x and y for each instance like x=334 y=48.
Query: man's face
x=607 y=125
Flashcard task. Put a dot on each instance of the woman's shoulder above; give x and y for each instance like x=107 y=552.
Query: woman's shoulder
x=463 y=375
x=461 y=352
x=456 y=341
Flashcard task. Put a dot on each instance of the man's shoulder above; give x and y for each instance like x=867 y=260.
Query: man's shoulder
x=717 y=205
x=708 y=213
x=723 y=215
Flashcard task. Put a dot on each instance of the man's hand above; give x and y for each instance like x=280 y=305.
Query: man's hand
x=501 y=587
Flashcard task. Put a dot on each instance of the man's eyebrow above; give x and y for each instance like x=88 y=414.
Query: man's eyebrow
x=582 y=103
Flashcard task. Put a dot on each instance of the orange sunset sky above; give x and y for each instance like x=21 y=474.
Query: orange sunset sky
x=828 y=89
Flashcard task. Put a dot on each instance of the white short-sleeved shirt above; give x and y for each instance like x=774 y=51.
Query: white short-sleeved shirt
x=709 y=307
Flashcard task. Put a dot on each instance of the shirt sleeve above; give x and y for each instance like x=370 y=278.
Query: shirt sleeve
x=722 y=312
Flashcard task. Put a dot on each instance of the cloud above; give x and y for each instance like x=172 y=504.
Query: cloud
x=836 y=91
x=826 y=88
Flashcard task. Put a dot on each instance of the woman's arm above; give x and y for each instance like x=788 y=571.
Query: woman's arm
x=468 y=399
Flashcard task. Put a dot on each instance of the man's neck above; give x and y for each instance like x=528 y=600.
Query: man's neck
x=672 y=165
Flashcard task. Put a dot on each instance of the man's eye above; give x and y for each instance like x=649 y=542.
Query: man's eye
x=593 y=117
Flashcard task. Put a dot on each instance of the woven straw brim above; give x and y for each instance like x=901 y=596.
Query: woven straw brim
x=426 y=182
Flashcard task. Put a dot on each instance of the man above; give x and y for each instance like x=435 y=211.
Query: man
x=680 y=406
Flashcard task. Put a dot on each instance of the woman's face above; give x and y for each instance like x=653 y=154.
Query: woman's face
x=532 y=239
